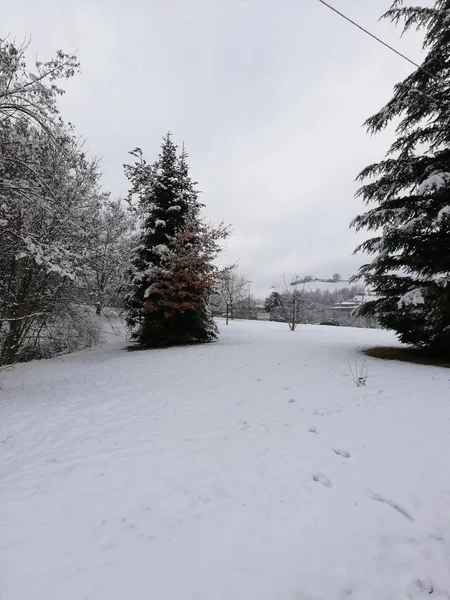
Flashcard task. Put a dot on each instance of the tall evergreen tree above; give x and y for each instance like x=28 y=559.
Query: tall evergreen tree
x=410 y=272
x=173 y=273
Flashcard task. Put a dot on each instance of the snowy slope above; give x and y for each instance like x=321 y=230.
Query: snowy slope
x=250 y=469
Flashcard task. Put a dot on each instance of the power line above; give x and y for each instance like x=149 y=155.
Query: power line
x=376 y=38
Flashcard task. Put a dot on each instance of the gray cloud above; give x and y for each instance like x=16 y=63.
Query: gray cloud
x=269 y=97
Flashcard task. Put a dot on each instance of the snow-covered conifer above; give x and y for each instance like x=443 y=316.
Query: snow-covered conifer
x=410 y=194
x=173 y=272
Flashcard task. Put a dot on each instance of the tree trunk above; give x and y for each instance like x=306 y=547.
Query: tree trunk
x=11 y=344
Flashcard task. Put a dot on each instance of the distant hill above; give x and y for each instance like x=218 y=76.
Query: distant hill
x=331 y=286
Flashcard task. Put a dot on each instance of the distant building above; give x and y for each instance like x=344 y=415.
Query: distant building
x=346 y=311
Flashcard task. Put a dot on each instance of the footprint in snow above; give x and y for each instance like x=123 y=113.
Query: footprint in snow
x=420 y=588
x=220 y=491
x=321 y=478
x=341 y=452
x=204 y=499
x=291 y=400
x=392 y=504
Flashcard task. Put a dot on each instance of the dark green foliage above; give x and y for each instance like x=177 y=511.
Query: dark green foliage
x=168 y=300
x=189 y=327
x=410 y=193
x=273 y=301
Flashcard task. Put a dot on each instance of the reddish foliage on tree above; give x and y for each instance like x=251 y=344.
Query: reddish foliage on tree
x=187 y=274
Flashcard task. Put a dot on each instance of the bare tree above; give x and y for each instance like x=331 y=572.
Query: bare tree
x=287 y=304
x=232 y=290
x=105 y=275
x=32 y=94
x=54 y=230
x=49 y=216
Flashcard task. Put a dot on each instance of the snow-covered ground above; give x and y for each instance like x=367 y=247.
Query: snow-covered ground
x=330 y=286
x=249 y=469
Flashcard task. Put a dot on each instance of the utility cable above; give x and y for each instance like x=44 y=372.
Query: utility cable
x=372 y=35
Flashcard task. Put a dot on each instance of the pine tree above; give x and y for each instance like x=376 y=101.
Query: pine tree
x=173 y=273
x=275 y=305
x=410 y=273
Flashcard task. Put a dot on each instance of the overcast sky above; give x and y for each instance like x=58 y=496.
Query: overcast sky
x=269 y=98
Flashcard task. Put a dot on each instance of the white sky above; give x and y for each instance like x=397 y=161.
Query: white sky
x=269 y=98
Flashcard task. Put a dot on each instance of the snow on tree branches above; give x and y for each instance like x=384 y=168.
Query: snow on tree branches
x=186 y=273
x=32 y=94
x=410 y=190
x=58 y=246
x=173 y=273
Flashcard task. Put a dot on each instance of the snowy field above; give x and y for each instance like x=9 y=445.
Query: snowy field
x=250 y=469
